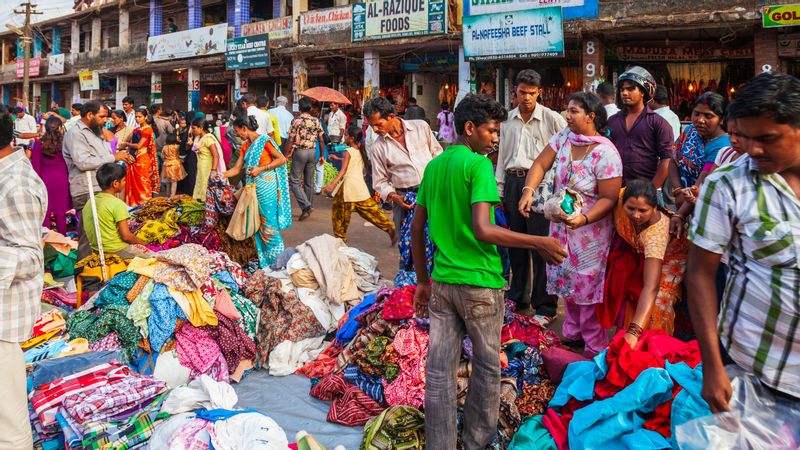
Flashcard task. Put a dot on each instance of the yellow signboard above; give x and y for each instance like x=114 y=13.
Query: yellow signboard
x=781 y=16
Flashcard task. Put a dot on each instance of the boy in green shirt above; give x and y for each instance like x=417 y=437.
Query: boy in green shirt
x=113 y=216
x=455 y=198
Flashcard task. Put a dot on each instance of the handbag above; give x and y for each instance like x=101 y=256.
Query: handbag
x=246 y=219
x=565 y=205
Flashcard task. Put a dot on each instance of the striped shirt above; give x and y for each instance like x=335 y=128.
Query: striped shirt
x=23 y=204
x=755 y=219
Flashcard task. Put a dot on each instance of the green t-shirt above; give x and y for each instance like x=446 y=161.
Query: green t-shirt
x=453 y=181
x=110 y=210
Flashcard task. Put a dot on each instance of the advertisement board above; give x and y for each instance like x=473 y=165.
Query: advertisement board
x=385 y=19
x=247 y=52
x=573 y=9
x=326 y=21
x=535 y=33
x=55 y=64
x=33 y=67
x=780 y=16
x=279 y=29
x=89 y=80
x=188 y=44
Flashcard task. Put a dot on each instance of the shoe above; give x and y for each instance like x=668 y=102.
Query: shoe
x=305 y=215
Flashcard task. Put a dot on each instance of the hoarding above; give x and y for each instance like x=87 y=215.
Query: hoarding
x=535 y=33
x=188 y=44
x=247 y=52
x=386 y=19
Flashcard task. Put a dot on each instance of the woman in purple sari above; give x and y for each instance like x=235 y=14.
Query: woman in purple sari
x=49 y=164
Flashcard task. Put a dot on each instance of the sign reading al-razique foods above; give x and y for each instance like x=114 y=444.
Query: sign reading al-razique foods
x=384 y=19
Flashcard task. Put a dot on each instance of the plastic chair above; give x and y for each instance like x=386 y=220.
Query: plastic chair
x=96 y=272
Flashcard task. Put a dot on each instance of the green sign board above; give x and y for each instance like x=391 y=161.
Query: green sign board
x=780 y=16
x=386 y=19
x=247 y=52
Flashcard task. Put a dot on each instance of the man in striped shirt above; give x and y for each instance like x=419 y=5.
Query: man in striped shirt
x=750 y=210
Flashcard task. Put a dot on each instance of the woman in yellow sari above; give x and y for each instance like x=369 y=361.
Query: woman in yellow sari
x=142 y=179
x=208 y=156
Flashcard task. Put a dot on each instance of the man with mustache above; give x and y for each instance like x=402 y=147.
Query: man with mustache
x=750 y=211
x=84 y=151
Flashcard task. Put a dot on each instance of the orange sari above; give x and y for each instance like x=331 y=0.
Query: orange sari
x=142 y=179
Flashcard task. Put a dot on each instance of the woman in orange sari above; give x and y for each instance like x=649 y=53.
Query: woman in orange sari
x=142 y=179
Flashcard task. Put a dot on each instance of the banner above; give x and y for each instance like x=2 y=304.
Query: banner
x=247 y=52
x=573 y=9
x=780 y=16
x=89 y=80
x=535 y=33
x=385 y=19
x=188 y=44
x=55 y=64
x=680 y=53
x=34 y=65
x=278 y=29
x=325 y=21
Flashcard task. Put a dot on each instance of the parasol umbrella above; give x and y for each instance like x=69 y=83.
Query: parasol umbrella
x=325 y=94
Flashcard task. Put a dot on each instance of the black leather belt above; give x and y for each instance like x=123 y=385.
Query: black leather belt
x=520 y=173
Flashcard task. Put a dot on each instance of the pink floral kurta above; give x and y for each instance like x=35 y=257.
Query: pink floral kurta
x=580 y=279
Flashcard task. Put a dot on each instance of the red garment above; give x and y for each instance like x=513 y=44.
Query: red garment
x=400 y=304
x=624 y=282
x=529 y=331
x=349 y=405
x=142 y=179
x=324 y=365
x=661 y=421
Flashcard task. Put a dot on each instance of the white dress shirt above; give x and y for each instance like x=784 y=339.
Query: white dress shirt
x=130 y=119
x=611 y=109
x=336 y=123
x=671 y=118
x=264 y=124
x=284 y=120
x=25 y=125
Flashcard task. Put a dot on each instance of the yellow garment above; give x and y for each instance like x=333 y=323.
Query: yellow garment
x=199 y=311
x=39 y=340
x=142 y=266
x=76 y=347
x=276 y=131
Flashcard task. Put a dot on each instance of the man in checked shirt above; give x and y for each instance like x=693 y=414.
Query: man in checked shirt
x=23 y=202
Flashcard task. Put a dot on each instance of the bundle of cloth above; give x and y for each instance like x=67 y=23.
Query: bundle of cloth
x=165 y=223
x=623 y=398
x=177 y=315
x=373 y=373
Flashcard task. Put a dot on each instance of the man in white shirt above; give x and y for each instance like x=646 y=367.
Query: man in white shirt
x=264 y=124
x=660 y=106
x=76 y=116
x=337 y=122
x=608 y=96
x=523 y=136
x=130 y=114
x=25 y=126
x=284 y=116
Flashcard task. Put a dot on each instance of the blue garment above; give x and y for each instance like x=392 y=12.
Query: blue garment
x=225 y=277
x=52 y=369
x=46 y=351
x=404 y=243
x=143 y=362
x=166 y=312
x=578 y=380
x=349 y=329
x=371 y=385
x=525 y=368
x=603 y=424
x=72 y=437
x=689 y=403
x=405 y=278
x=214 y=415
x=117 y=288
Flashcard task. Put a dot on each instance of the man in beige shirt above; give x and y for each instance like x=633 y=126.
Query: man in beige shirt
x=523 y=136
x=399 y=154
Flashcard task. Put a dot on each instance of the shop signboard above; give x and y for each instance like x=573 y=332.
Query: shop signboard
x=789 y=46
x=247 y=52
x=326 y=21
x=572 y=9
x=89 y=80
x=188 y=44
x=279 y=29
x=780 y=16
x=34 y=65
x=535 y=33
x=680 y=53
x=386 y=19
x=55 y=64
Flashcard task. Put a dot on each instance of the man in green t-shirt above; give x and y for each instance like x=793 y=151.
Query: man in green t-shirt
x=455 y=198
x=112 y=214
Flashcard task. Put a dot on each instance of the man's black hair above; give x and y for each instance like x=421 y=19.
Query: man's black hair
x=661 y=96
x=249 y=99
x=412 y=100
x=529 y=77
x=262 y=101
x=18 y=109
x=478 y=109
x=605 y=89
x=91 y=107
x=305 y=104
x=77 y=106
x=108 y=173
x=378 y=105
x=129 y=100
x=6 y=127
x=773 y=95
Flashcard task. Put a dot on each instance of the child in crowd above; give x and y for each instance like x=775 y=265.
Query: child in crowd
x=172 y=171
x=455 y=198
x=350 y=191
x=112 y=214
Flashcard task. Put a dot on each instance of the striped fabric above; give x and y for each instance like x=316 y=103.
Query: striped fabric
x=755 y=219
x=156 y=17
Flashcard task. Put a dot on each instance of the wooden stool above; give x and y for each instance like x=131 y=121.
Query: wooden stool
x=96 y=272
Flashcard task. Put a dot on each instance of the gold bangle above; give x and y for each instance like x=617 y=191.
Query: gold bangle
x=675 y=190
x=528 y=187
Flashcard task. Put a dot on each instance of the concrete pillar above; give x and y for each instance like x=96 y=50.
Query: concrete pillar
x=238 y=15
x=4 y=51
x=298 y=7
x=372 y=74
x=156 y=17
x=124 y=27
x=765 y=51
x=283 y=7
x=122 y=90
x=56 y=50
x=196 y=14
x=593 y=63
x=155 y=88
x=75 y=39
x=37 y=98
x=299 y=79
x=237 y=85
x=194 y=88
x=97 y=30
x=87 y=43
x=340 y=2
x=76 y=92
x=465 y=81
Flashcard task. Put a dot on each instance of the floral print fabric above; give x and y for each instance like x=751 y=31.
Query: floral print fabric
x=580 y=278
x=411 y=344
x=305 y=129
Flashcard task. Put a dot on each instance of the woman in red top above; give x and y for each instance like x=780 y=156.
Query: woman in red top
x=142 y=179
